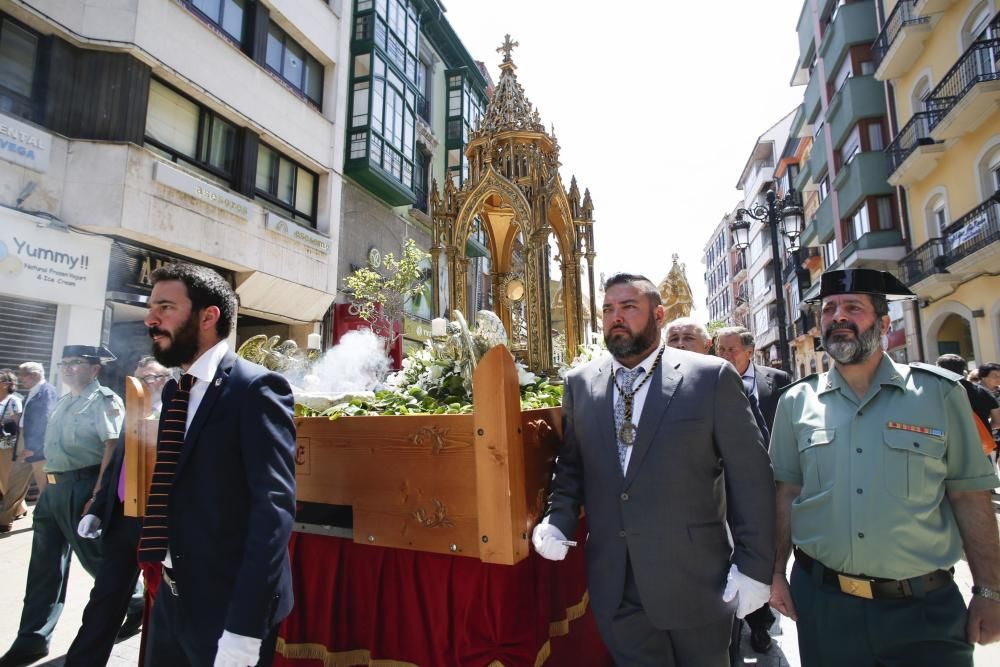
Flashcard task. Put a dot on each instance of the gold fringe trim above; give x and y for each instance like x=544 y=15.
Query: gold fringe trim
x=363 y=657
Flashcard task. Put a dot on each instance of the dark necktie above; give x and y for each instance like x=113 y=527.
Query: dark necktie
x=173 y=423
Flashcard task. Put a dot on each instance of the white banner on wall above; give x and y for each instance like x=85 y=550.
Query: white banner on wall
x=38 y=262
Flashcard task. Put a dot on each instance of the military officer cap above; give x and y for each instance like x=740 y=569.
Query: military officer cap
x=95 y=354
x=862 y=281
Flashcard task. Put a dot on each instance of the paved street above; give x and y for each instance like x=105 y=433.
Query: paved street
x=16 y=545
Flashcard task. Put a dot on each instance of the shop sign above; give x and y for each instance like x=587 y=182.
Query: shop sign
x=132 y=268
x=310 y=239
x=51 y=265
x=24 y=145
x=416 y=329
x=201 y=190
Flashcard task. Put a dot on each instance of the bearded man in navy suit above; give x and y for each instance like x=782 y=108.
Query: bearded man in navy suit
x=223 y=535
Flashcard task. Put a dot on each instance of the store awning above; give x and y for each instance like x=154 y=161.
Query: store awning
x=274 y=298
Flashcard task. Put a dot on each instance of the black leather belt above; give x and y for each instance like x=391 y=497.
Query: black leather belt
x=874 y=588
x=169 y=581
x=72 y=475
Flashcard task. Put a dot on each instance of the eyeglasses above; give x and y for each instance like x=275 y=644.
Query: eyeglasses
x=73 y=364
x=153 y=379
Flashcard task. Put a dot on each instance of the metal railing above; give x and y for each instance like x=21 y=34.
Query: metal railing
x=926 y=260
x=917 y=132
x=424 y=108
x=901 y=16
x=977 y=64
x=973 y=231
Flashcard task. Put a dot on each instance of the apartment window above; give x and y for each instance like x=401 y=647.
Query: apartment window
x=859 y=224
x=830 y=253
x=824 y=188
x=18 y=60
x=291 y=62
x=843 y=74
x=883 y=212
x=184 y=131
x=875 y=142
x=227 y=14
x=851 y=147
x=286 y=183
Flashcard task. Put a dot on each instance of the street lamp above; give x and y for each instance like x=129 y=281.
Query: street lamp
x=786 y=212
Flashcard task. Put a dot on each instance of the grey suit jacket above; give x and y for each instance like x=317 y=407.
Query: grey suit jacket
x=696 y=437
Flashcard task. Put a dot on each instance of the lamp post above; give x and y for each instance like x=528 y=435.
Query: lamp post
x=786 y=212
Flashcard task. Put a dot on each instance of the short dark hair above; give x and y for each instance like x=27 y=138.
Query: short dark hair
x=205 y=288
x=953 y=363
x=746 y=336
x=986 y=369
x=639 y=281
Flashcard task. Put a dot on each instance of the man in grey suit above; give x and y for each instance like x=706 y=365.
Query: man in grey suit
x=654 y=439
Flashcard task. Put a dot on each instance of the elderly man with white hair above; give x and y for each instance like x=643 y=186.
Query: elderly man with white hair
x=29 y=455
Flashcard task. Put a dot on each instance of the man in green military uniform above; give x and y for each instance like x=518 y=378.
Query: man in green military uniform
x=79 y=441
x=881 y=483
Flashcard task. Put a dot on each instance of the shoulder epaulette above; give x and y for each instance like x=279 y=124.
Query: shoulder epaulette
x=107 y=392
x=807 y=378
x=936 y=370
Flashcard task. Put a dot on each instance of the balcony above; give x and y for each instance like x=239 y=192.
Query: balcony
x=803 y=180
x=866 y=175
x=803 y=324
x=973 y=241
x=766 y=337
x=924 y=270
x=424 y=109
x=739 y=264
x=913 y=154
x=880 y=249
x=804 y=30
x=811 y=99
x=859 y=97
x=899 y=44
x=928 y=7
x=854 y=24
x=817 y=156
x=823 y=222
x=969 y=93
x=970 y=246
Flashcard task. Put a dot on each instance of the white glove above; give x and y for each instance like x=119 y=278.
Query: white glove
x=89 y=527
x=237 y=650
x=749 y=593
x=548 y=541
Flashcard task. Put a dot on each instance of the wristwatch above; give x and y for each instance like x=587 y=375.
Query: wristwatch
x=987 y=593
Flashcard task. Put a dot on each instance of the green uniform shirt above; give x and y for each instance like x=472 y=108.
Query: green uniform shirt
x=79 y=426
x=874 y=472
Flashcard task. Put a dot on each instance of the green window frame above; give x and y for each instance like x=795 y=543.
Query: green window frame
x=464 y=110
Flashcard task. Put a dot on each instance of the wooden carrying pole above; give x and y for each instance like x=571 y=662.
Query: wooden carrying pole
x=140 y=445
x=499 y=451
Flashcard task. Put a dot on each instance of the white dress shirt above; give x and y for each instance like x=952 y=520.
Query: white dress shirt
x=203 y=369
x=750 y=381
x=639 y=398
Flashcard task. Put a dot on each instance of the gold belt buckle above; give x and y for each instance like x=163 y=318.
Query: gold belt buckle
x=861 y=588
x=50 y=477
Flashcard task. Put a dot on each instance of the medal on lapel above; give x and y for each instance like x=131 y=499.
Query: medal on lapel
x=627 y=432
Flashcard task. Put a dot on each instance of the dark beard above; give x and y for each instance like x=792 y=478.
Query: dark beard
x=183 y=344
x=850 y=352
x=624 y=348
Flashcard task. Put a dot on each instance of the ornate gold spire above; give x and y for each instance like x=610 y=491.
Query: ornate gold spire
x=509 y=108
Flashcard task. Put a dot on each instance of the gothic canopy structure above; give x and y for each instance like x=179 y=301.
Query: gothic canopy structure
x=514 y=193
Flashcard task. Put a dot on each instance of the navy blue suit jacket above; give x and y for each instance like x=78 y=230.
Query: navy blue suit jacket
x=36 y=417
x=233 y=502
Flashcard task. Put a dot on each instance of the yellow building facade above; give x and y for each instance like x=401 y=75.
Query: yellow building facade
x=940 y=60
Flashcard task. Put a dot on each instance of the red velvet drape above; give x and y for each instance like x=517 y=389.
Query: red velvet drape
x=358 y=603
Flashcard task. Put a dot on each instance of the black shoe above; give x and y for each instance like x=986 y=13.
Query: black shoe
x=20 y=658
x=130 y=628
x=760 y=640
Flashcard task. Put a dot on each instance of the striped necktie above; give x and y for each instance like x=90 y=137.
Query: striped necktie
x=173 y=423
